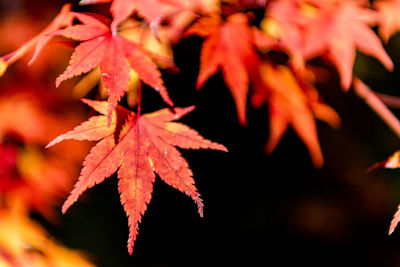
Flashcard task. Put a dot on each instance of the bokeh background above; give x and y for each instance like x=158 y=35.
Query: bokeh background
x=273 y=210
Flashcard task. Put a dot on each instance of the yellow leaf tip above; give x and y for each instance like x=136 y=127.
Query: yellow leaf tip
x=3 y=66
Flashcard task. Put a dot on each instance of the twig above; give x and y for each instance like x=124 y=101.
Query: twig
x=389 y=100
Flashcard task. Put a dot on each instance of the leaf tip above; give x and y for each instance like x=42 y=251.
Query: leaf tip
x=3 y=66
x=390 y=65
x=55 y=141
x=49 y=145
x=85 y=100
x=169 y=101
x=223 y=148
x=218 y=146
x=200 y=205
x=199 y=84
x=392 y=227
x=242 y=120
x=58 y=81
x=132 y=238
x=69 y=202
x=66 y=8
x=65 y=208
x=90 y=103
x=395 y=221
x=317 y=157
x=130 y=245
x=190 y=109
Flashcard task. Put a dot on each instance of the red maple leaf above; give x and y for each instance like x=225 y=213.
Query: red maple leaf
x=115 y=55
x=228 y=46
x=146 y=145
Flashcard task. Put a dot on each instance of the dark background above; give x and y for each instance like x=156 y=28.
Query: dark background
x=275 y=210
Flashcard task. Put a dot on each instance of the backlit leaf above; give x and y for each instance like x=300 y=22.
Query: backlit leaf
x=115 y=55
x=146 y=145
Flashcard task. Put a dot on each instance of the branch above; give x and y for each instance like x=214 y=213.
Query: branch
x=389 y=100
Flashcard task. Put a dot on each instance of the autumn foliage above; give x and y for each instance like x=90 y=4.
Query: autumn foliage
x=272 y=54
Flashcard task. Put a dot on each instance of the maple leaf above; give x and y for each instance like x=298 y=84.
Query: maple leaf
x=335 y=29
x=115 y=55
x=146 y=145
x=295 y=104
x=228 y=46
x=158 y=49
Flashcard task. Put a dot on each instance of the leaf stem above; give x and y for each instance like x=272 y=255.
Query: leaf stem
x=376 y=104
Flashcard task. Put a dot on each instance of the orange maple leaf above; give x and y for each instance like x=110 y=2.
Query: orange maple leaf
x=228 y=46
x=115 y=55
x=146 y=145
x=295 y=104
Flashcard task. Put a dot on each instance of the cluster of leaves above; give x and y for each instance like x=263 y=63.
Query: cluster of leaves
x=33 y=179
x=128 y=49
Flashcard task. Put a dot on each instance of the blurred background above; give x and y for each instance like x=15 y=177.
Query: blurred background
x=275 y=210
